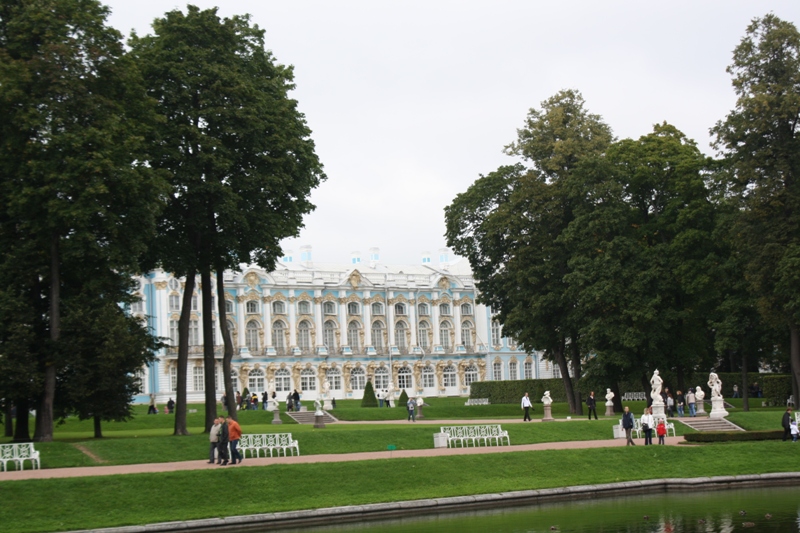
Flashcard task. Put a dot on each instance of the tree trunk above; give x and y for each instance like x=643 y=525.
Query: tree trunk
x=230 y=397
x=577 y=373
x=794 y=357
x=22 y=431
x=558 y=355
x=8 y=419
x=98 y=431
x=209 y=363
x=745 y=392
x=617 y=397
x=183 y=354
x=44 y=415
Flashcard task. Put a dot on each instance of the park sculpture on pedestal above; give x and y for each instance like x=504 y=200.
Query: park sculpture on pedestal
x=547 y=400
x=655 y=393
x=609 y=403
x=319 y=415
x=717 y=401
x=700 y=396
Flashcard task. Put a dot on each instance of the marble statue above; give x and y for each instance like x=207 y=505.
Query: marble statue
x=655 y=392
x=326 y=388
x=609 y=397
x=317 y=405
x=699 y=394
x=715 y=384
x=546 y=399
x=420 y=401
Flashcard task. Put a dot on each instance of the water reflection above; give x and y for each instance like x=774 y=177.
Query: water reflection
x=748 y=510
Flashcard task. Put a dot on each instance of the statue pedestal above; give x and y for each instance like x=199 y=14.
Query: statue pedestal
x=319 y=422
x=701 y=409
x=610 y=409
x=718 y=408
x=658 y=409
x=327 y=404
x=548 y=417
x=276 y=417
x=420 y=416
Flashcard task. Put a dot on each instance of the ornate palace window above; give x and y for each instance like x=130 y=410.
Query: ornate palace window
x=527 y=369
x=466 y=333
x=424 y=310
x=466 y=309
x=329 y=308
x=496 y=338
x=400 y=309
x=329 y=335
x=194 y=333
x=283 y=380
x=255 y=380
x=512 y=371
x=304 y=308
x=174 y=302
x=449 y=376
x=377 y=334
x=278 y=308
x=381 y=378
x=198 y=378
x=424 y=332
x=279 y=335
x=444 y=334
x=470 y=375
x=400 y=334
x=428 y=376
x=444 y=309
x=358 y=379
x=353 y=308
x=304 y=336
x=251 y=306
x=335 y=378
x=173 y=332
x=353 y=329
x=377 y=308
x=497 y=371
x=251 y=336
x=404 y=377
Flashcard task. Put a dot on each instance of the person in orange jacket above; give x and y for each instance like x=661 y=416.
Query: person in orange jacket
x=234 y=434
x=661 y=430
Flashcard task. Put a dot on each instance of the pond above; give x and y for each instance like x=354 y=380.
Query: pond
x=725 y=511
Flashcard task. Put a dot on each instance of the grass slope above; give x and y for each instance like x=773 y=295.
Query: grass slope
x=63 y=504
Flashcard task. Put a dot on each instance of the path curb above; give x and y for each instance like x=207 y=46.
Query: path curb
x=355 y=513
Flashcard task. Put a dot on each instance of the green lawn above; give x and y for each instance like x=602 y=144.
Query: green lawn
x=63 y=504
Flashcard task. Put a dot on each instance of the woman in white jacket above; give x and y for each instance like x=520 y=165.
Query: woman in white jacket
x=648 y=425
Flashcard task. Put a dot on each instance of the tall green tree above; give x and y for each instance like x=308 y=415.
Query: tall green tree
x=71 y=159
x=241 y=159
x=760 y=139
x=508 y=224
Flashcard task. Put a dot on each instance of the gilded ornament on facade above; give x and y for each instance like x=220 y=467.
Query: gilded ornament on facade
x=160 y=285
x=354 y=279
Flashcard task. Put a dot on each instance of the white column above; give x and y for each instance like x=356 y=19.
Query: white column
x=366 y=313
x=343 y=319
x=435 y=315
x=240 y=308
x=292 y=319
x=390 y=317
x=412 y=322
x=318 y=318
x=266 y=314
x=457 y=319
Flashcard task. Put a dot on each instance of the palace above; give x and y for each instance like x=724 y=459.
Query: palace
x=414 y=327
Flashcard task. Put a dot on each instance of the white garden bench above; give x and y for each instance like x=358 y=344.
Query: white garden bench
x=18 y=453
x=268 y=442
x=634 y=397
x=465 y=435
x=477 y=401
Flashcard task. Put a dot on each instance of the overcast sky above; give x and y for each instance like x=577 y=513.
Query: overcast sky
x=409 y=102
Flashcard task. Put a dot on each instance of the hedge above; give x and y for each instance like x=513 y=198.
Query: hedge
x=733 y=436
x=775 y=387
x=513 y=391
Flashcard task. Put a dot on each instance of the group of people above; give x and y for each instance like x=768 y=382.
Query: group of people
x=789 y=426
x=224 y=439
x=152 y=409
x=649 y=424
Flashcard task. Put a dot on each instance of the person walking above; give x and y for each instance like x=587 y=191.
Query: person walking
x=222 y=442
x=628 y=421
x=648 y=424
x=151 y=410
x=787 y=423
x=670 y=406
x=213 y=438
x=661 y=430
x=526 y=406
x=591 y=403
x=296 y=398
x=680 y=401
x=411 y=405
x=735 y=391
x=289 y=406
x=690 y=401
x=234 y=434
x=265 y=399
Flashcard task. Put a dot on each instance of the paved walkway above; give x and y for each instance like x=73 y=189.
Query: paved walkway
x=303 y=459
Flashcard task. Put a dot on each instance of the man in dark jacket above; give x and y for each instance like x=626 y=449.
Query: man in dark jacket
x=222 y=443
x=591 y=403
x=627 y=424
x=787 y=423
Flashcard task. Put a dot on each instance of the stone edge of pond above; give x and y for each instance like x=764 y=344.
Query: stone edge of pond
x=377 y=511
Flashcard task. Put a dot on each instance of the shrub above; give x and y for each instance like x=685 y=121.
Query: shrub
x=512 y=391
x=403 y=400
x=733 y=436
x=369 y=399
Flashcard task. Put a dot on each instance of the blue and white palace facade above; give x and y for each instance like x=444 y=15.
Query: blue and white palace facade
x=416 y=327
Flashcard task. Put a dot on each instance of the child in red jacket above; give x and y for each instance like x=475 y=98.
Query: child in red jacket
x=661 y=430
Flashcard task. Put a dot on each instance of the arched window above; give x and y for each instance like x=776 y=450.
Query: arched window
x=283 y=380
x=466 y=309
x=444 y=334
x=279 y=335
x=400 y=334
x=400 y=309
x=352 y=308
x=444 y=309
x=512 y=371
x=255 y=381
x=329 y=308
x=194 y=333
x=358 y=379
x=198 y=379
x=404 y=377
x=304 y=308
x=424 y=310
x=252 y=306
x=329 y=335
x=353 y=329
x=138 y=305
x=377 y=334
x=229 y=307
x=382 y=378
x=231 y=328
x=174 y=302
x=527 y=369
x=173 y=332
x=470 y=375
x=308 y=380
x=235 y=380
x=377 y=308
x=278 y=308
x=428 y=376
x=496 y=339
x=424 y=332
x=304 y=335
x=497 y=371
x=173 y=378
x=251 y=336
x=174 y=284
x=466 y=333
x=449 y=376
x=335 y=378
